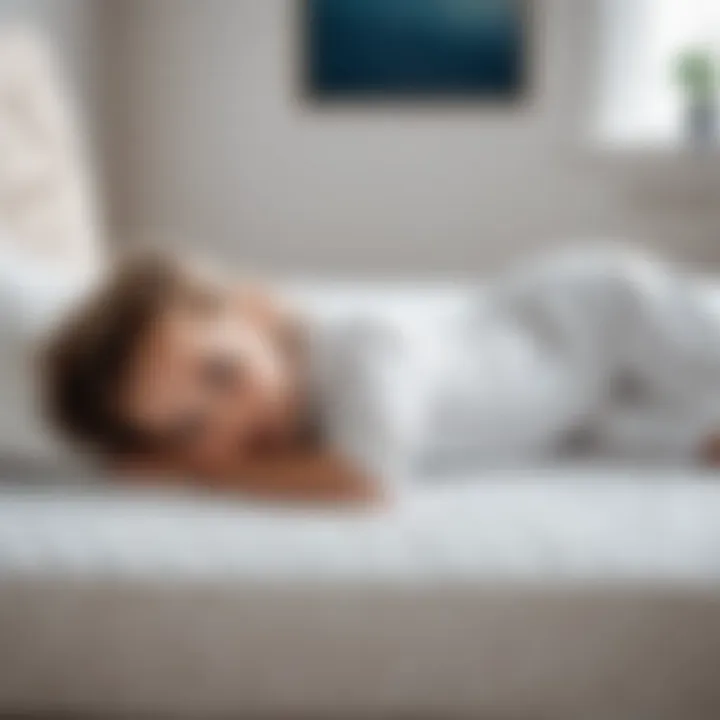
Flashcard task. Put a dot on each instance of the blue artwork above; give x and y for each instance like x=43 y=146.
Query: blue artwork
x=415 y=48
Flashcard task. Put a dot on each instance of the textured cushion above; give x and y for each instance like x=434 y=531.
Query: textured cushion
x=49 y=247
x=45 y=202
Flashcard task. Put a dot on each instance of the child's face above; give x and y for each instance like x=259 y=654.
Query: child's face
x=213 y=384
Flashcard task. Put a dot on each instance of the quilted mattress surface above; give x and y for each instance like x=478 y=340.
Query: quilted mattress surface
x=569 y=524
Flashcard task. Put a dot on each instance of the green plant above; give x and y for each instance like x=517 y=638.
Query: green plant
x=698 y=75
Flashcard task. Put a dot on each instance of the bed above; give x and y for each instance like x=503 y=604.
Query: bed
x=576 y=592
x=566 y=593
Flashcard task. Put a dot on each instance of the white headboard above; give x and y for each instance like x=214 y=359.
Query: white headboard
x=45 y=199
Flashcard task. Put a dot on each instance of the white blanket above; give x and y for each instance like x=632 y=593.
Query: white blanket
x=604 y=345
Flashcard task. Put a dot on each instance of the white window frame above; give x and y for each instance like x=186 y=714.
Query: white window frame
x=639 y=104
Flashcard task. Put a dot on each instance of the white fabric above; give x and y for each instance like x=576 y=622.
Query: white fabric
x=572 y=523
x=49 y=246
x=511 y=372
x=46 y=203
x=33 y=295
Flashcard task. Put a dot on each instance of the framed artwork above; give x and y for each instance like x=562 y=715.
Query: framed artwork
x=417 y=49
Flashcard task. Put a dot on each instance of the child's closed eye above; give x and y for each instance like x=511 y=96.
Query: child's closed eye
x=221 y=374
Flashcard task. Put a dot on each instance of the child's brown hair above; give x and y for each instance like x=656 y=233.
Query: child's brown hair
x=86 y=359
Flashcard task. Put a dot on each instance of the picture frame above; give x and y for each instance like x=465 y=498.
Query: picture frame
x=380 y=51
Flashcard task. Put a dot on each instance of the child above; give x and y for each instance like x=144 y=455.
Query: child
x=170 y=374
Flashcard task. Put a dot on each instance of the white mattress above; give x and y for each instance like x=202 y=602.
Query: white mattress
x=588 y=524
x=139 y=605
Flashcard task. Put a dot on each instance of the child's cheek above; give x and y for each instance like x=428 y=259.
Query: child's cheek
x=215 y=454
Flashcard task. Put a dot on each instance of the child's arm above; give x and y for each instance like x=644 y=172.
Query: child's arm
x=710 y=451
x=305 y=476
x=297 y=476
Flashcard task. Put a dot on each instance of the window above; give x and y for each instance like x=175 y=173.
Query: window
x=639 y=100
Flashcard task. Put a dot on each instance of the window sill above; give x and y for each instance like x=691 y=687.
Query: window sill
x=666 y=156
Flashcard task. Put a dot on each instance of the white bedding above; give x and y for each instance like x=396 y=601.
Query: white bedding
x=588 y=524
x=601 y=342
x=571 y=524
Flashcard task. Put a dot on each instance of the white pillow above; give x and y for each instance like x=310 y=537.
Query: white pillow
x=46 y=198
x=34 y=295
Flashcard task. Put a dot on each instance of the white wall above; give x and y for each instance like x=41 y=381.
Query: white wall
x=221 y=149
x=208 y=140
